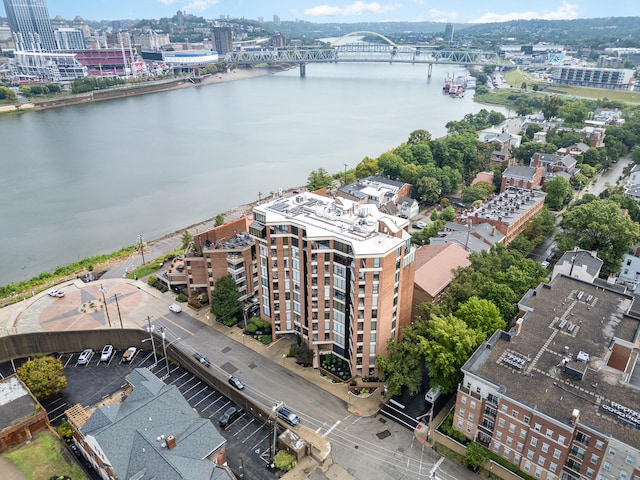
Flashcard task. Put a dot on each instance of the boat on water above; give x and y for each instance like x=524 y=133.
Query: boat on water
x=454 y=86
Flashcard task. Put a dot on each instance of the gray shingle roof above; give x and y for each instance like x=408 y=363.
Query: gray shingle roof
x=128 y=434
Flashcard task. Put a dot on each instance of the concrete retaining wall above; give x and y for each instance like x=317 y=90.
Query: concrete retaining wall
x=29 y=344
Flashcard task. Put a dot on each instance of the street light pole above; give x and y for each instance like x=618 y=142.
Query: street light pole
x=141 y=247
x=164 y=350
x=345 y=173
x=115 y=295
x=104 y=300
x=153 y=343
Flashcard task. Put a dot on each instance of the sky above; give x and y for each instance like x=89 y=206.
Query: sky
x=347 y=11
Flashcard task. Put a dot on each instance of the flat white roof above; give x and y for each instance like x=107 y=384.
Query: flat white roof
x=364 y=227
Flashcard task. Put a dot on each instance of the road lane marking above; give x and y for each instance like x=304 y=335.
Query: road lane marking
x=179 y=326
x=331 y=429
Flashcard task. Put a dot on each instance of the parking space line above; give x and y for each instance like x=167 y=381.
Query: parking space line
x=67 y=362
x=185 y=373
x=51 y=410
x=266 y=437
x=191 y=388
x=198 y=393
x=212 y=403
x=186 y=384
x=212 y=393
x=243 y=428
x=257 y=430
x=226 y=404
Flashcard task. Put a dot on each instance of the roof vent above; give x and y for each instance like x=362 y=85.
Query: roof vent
x=171 y=441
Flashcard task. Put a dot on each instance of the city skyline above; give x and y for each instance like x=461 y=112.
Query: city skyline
x=343 y=11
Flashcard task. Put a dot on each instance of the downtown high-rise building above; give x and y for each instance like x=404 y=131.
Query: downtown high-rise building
x=30 y=24
x=222 y=40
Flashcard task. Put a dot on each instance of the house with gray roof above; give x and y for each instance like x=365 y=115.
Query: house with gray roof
x=474 y=238
x=153 y=434
x=580 y=264
x=376 y=190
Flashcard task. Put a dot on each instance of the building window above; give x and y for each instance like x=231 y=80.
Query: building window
x=594 y=458
x=606 y=466
x=549 y=433
x=509 y=441
x=530 y=454
x=514 y=414
x=501 y=422
x=561 y=439
x=463 y=400
x=523 y=433
x=612 y=452
x=526 y=420
x=599 y=444
x=556 y=453
x=545 y=447
x=519 y=447
x=460 y=423
x=534 y=441
x=553 y=467
x=537 y=427
x=589 y=472
x=629 y=459
x=541 y=460
x=499 y=435
x=462 y=412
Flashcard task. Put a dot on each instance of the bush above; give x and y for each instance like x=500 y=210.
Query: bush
x=266 y=339
x=181 y=298
x=260 y=324
x=251 y=328
x=65 y=430
x=195 y=304
x=152 y=281
x=230 y=322
x=292 y=352
x=284 y=461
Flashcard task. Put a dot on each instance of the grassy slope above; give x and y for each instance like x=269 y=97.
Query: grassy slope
x=43 y=457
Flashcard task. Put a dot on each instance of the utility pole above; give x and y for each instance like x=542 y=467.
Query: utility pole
x=153 y=343
x=104 y=300
x=115 y=295
x=141 y=248
x=164 y=350
x=345 y=173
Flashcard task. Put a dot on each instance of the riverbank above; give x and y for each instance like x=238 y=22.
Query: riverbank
x=140 y=89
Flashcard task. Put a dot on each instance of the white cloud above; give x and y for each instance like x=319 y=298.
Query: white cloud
x=357 y=8
x=167 y=2
x=198 y=5
x=443 y=15
x=566 y=11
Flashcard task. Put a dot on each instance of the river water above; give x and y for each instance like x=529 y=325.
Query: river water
x=88 y=179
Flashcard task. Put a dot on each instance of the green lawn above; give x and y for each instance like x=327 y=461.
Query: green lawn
x=44 y=457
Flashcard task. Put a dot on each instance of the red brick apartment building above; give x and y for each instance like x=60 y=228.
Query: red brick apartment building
x=558 y=394
x=335 y=271
x=507 y=212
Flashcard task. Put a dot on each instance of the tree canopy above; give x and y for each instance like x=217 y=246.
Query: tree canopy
x=225 y=303
x=599 y=225
x=318 y=179
x=43 y=376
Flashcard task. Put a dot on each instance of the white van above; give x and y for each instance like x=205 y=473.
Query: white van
x=432 y=395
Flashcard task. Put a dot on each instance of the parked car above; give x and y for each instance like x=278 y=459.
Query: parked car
x=85 y=356
x=59 y=293
x=419 y=225
x=545 y=264
x=202 y=359
x=175 y=308
x=128 y=355
x=230 y=415
x=288 y=416
x=53 y=293
x=107 y=351
x=236 y=382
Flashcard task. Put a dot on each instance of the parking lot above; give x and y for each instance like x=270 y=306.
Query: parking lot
x=88 y=384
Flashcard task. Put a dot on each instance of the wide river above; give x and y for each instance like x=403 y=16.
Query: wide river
x=88 y=179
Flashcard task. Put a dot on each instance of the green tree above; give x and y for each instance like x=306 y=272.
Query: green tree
x=318 y=179
x=404 y=363
x=219 y=220
x=473 y=193
x=419 y=136
x=559 y=192
x=390 y=164
x=531 y=130
x=187 y=238
x=284 y=460
x=225 y=303
x=421 y=153
x=448 y=344
x=428 y=189
x=366 y=168
x=550 y=106
x=482 y=315
x=475 y=457
x=600 y=226
x=575 y=112
x=448 y=214
x=43 y=376
x=8 y=94
x=502 y=297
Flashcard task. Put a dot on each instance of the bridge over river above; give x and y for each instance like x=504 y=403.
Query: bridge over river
x=363 y=52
